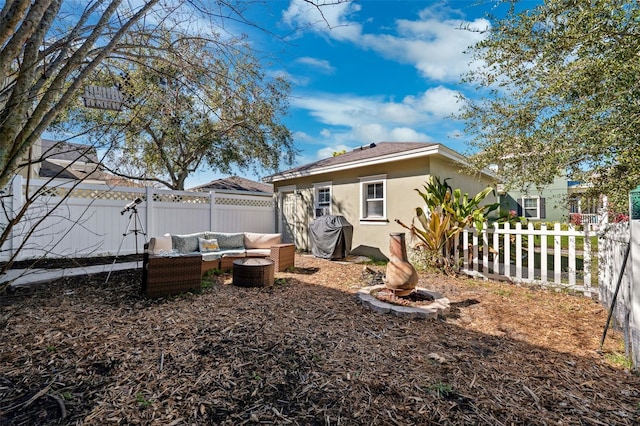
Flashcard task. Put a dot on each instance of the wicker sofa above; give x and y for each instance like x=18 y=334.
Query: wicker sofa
x=218 y=250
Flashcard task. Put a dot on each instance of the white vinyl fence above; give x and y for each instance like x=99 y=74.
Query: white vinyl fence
x=78 y=220
x=615 y=279
x=524 y=254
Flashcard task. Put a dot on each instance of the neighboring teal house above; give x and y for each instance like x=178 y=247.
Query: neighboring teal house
x=562 y=201
x=549 y=205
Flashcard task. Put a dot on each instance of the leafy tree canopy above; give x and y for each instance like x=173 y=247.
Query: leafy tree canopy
x=190 y=102
x=560 y=93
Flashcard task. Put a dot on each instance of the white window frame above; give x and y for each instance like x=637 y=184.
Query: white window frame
x=317 y=187
x=364 y=183
x=524 y=208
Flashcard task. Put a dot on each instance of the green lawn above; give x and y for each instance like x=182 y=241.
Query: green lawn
x=564 y=261
x=564 y=242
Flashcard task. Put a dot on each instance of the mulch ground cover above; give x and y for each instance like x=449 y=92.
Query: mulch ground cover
x=82 y=351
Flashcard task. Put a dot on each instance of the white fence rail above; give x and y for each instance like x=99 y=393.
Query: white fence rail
x=77 y=220
x=541 y=256
x=588 y=220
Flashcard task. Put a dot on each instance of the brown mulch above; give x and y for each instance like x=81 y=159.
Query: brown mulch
x=79 y=351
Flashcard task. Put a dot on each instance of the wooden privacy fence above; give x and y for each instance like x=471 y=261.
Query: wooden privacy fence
x=543 y=256
x=79 y=220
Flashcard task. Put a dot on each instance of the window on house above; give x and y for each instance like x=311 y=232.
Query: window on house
x=533 y=208
x=373 y=195
x=574 y=205
x=322 y=199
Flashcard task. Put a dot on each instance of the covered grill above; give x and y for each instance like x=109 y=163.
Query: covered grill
x=330 y=237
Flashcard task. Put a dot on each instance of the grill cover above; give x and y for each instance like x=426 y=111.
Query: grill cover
x=331 y=237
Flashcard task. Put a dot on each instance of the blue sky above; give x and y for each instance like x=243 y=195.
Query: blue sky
x=367 y=70
x=385 y=71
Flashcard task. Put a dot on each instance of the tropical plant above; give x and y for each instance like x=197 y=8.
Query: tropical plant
x=434 y=232
x=449 y=212
x=511 y=217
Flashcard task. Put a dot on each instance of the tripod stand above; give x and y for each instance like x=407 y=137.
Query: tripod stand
x=138 y=228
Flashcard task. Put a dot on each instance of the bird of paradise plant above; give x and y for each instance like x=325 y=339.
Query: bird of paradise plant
x=448 y=212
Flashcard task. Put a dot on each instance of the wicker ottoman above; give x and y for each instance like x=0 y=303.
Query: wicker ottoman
x=170 y=275
x=253 y=272
x=283 y=255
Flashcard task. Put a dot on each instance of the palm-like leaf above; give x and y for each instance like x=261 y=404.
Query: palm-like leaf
x=448 y=212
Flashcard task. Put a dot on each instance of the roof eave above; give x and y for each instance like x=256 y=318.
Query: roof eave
x=429 y=150
x=402 y=155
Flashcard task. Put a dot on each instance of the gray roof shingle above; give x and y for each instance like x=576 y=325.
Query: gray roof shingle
x=235 y=183
x=66 y=151
x=366 y=152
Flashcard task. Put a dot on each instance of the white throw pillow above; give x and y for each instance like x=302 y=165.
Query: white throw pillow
x=162 y=244
x=254 y=240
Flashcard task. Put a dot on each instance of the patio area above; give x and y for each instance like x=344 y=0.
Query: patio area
x=305 y=351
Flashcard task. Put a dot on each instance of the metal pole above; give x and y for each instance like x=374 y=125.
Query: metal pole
x=124 y=235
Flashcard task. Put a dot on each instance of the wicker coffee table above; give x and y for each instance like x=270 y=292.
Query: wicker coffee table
x=253 y=272
x=170 y=275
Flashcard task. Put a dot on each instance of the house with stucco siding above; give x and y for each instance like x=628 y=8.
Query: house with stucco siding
x=371 y=186
x=562 y=201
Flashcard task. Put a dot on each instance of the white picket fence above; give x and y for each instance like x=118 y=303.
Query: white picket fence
x=526 y=254
x=78 y=220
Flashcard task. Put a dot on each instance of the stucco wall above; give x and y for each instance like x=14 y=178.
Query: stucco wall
x=555 y=196
x=402 y=178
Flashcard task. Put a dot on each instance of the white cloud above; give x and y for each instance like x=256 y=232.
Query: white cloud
x=435 y=47
x=454 y=134
x=325 y=133
x=438 y=101
x=332 y=20
x=319 y=65
x=354 y=120
x=406 y=134
x=376 y=132
x=301 y=136
x=434 y=43
x=294 y=80
x=348 y=110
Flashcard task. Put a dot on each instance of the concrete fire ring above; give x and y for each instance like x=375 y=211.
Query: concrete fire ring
x=438 y=308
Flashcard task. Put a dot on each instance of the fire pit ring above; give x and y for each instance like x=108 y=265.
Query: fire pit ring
x=438 y=308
